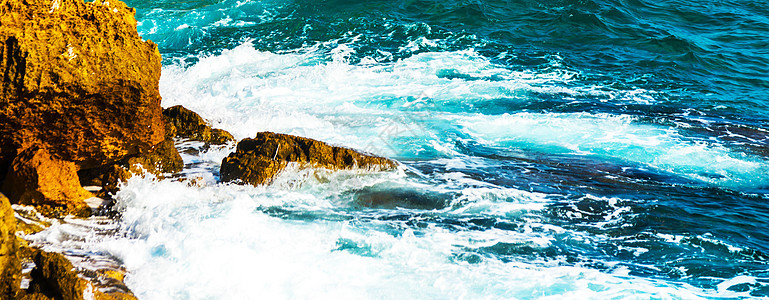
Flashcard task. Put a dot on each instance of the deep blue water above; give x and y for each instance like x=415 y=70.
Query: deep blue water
x=619 y=138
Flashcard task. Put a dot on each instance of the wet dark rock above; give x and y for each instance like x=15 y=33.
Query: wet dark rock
x=164 y=158
x=55 y=276
x=258 y=160
x=391 y=198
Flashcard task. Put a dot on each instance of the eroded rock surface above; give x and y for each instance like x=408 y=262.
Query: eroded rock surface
x=257 y=161
x=163 y=158
x=78 y=81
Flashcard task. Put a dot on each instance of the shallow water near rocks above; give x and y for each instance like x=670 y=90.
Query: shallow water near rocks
x=573 y=149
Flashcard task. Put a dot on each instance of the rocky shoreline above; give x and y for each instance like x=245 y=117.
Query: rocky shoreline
x=80 y=106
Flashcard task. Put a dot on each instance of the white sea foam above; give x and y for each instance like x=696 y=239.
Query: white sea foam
x=384 y=108
x=183 y=242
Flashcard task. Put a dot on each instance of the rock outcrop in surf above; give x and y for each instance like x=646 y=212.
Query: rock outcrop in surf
x=54 y=277
x=162 y=159
x=257 y=161
x=184 y=123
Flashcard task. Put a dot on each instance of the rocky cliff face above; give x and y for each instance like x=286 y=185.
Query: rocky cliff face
x=78 y=91
x=10 y=267
x=77 y=80
x=257 y=161
x=78 y=84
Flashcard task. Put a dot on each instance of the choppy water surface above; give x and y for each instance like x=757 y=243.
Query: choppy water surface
x=553 y=149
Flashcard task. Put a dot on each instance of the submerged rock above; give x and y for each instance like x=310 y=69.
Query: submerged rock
x=182 y=122
x=257 y=161
x=37 y=178
x=77 y=81
x=391 y=198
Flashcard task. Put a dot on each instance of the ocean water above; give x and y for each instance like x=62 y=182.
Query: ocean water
x=591 y=149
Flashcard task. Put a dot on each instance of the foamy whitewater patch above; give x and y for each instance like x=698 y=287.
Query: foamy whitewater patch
x=182 y=242
x=385 y=108
x=620 y=137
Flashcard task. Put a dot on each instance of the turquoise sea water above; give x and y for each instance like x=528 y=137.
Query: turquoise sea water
x=552 y=149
